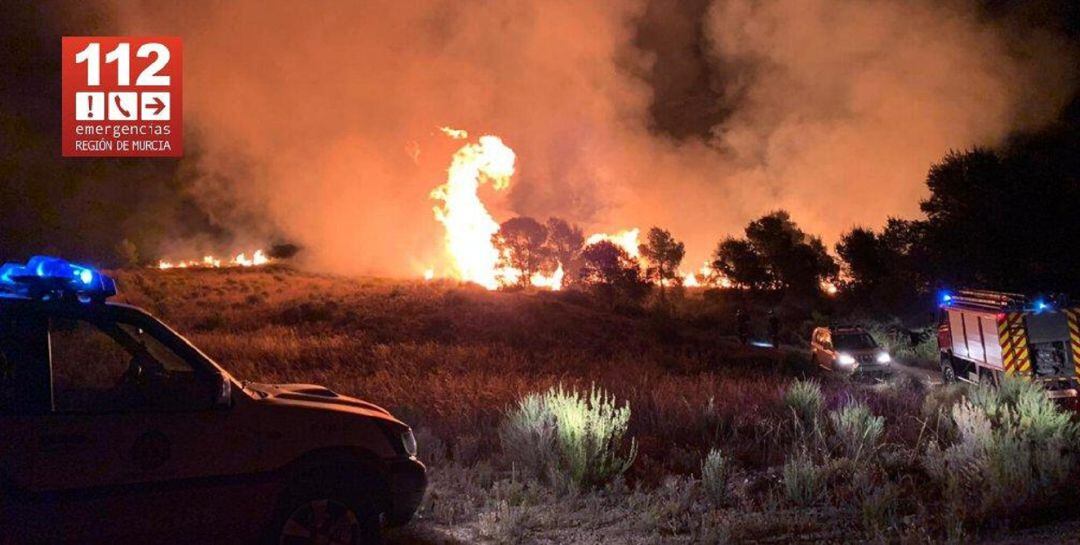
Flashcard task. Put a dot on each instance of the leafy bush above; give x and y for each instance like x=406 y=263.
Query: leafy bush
x=528 y=437
x=914 y=344
x=1013 y=451
x=715 y=471
x=803 y=480
x=856 y=430
x=568 y=437
x=804 y=399
x=907 y=383
x=878 y=509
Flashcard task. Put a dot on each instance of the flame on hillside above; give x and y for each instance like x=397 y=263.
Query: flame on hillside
x=829 y=288
x=627 y=240
x=469 y=225
x=456 y=134
x=690 y=280
x=258 y=257
x=706 y=276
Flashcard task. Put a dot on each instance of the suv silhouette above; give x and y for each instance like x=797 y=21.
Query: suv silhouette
x=848 y=350
x=116 y=429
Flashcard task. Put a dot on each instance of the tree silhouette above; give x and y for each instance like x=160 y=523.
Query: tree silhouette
x=611 y=272
x=736 y=260
x=775 y=254
x=879 y=272
x=795 y=260
x=663 y=254
x=1002 y=219
x=863 y=258
x=564 y=244
x=520 y=243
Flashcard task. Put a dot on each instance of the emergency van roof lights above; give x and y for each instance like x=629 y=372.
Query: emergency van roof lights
x=45 y=277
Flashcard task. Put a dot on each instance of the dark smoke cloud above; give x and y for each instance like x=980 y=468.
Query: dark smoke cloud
x=319 y=120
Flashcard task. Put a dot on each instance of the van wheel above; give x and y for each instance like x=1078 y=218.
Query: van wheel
x=327 y=512
x=948 y=374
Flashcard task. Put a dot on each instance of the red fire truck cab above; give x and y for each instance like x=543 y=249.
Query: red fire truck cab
x=986 y=335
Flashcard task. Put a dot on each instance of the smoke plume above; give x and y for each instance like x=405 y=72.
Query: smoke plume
x=321 y=119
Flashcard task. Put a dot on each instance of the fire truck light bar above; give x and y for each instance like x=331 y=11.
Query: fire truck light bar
x=997 y=301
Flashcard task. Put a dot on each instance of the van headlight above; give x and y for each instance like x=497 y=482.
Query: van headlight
x=408 y=440
x=845 y=359
x=884 y=357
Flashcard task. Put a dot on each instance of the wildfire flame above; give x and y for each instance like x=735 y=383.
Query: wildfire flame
x=829 y=288
x=690 y=280
x=706 y=276
x=210 y=262
x=468 y=224
x=456 y=134
x=627 y=240
x=553 y=282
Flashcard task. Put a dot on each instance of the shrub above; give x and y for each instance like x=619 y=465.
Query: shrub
x=917 y=345
x=927 y=349
x=715 y=471
x=528 y=438
x=907 y=383
x=804 y=399
x=566 y=436
x=803 y=480
x=878 y=510
x=1012 y=452
x=856 y=430
x=506 y=524
x=432 y=448
x=937 y=410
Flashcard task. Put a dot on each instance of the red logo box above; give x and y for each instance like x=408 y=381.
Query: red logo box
x=122 y=96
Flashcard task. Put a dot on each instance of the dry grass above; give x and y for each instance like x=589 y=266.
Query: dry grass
x=450 y=359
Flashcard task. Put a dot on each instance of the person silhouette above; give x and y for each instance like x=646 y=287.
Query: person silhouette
x=742 y=320
x=774 y=329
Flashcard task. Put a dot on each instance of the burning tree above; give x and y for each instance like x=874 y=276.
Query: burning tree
x=565 y=242
x=521 y=245
x=663 y=254
x=469 y=226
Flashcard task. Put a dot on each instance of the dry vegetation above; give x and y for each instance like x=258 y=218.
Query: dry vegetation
x=732 y=444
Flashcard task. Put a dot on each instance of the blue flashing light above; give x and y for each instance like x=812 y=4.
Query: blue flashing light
x=945 y=298
x=1041 y=305
x=44 y=277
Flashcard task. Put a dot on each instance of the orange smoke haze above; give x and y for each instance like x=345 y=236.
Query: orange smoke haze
x=324 y=118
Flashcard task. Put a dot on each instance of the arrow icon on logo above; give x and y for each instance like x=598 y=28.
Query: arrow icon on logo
x=157 y=105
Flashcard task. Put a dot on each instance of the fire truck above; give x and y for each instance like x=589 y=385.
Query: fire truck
x=986 y=335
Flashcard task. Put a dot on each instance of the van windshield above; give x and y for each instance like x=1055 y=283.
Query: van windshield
x=854 y=341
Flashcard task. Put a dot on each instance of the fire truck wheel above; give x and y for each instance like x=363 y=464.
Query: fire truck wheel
x=948 y=374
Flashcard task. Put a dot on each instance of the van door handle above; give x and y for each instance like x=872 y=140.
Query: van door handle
x=62 y=440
